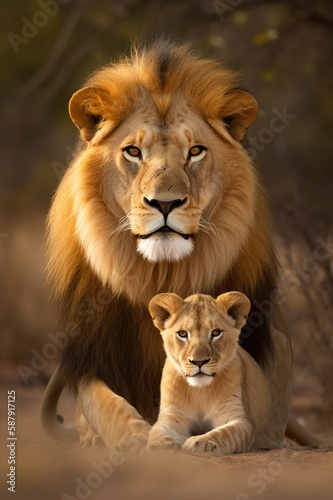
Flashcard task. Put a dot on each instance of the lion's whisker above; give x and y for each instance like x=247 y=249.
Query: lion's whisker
x=207 y=227
x=123 y=225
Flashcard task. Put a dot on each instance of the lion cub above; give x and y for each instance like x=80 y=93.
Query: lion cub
x=214 y=397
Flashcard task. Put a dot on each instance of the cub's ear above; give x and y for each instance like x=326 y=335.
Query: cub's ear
x=236 y=305
x=162 y=306
x=239 y=110
x=87 y=108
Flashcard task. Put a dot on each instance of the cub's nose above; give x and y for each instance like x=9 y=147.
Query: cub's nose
x=165 y=207
x=198 y=362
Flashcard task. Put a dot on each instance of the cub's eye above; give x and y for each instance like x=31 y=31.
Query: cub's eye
x=132 y=153
x=182 y=334
x=197 y=153
x=216 y=333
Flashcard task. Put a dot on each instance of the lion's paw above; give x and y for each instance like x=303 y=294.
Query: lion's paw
x=90 y=439
x=132 y=444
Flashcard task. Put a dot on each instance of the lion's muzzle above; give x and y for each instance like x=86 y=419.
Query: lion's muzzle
x=165 y=207
x=166 y=238
x=164 y=229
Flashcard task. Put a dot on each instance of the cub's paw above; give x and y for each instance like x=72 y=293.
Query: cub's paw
x=162 y=443
x=201 y=444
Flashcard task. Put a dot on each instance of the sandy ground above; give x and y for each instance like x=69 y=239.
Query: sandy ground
x=47 y=470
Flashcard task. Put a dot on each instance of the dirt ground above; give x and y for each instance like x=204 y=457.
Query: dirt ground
x=47 y=470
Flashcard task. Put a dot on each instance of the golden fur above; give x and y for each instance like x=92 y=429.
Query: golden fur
x=214 y=396
x=139 y=120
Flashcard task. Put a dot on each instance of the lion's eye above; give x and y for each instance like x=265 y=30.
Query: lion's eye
x=216 y=333
x=196 y=153
x=132 y=153
x=182 y=334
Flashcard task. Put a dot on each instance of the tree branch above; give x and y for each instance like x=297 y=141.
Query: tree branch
x=55 y=55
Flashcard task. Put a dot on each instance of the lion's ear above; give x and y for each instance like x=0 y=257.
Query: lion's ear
x=236 y=305
x=162 y=306
x=87 y=108
x=239 y=110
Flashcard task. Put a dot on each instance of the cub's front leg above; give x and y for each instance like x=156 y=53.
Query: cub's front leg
x=233 y=437
x=163 y=434
x=112 y=417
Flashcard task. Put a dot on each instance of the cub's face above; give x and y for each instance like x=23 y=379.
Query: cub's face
x=200 y=334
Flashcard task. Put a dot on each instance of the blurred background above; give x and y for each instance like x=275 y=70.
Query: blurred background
x=283 y=50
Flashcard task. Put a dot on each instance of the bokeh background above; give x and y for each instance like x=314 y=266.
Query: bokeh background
x=283 y=50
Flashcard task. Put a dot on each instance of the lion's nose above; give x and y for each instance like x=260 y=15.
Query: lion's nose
x=199 y=363
x=165 y=207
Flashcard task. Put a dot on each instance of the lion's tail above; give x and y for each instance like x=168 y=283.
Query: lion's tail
x=51 y=422
x=297 y=433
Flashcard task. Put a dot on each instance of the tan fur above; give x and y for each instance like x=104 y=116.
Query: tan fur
x=225 y=408
x=103 y=270
x=114 y=418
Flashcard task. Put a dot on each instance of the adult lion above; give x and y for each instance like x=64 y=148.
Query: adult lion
x=161 y=197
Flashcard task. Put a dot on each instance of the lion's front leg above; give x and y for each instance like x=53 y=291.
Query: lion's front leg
x=111 y=416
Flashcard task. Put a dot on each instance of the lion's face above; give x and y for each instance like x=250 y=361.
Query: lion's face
x=200 y=334
x=168 y=183
x=168 y=178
